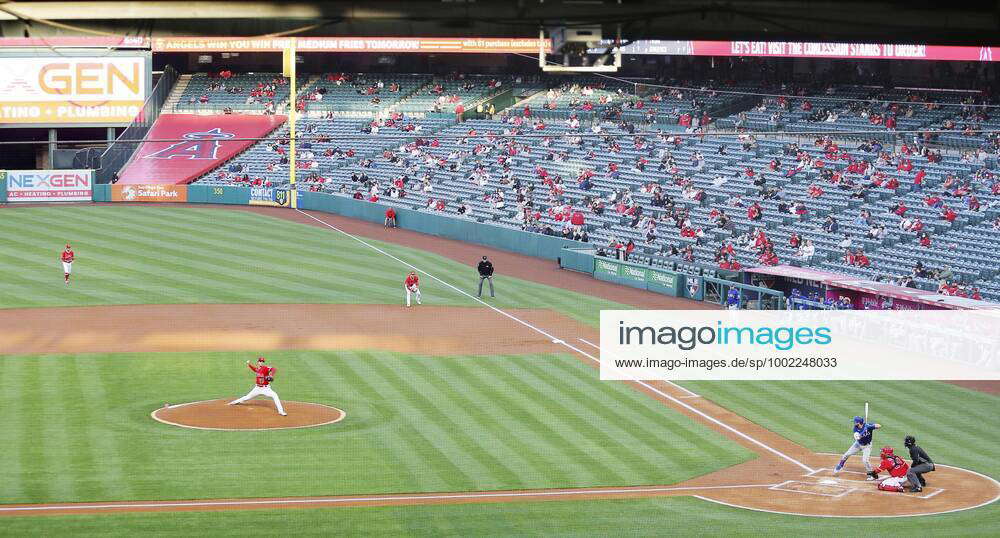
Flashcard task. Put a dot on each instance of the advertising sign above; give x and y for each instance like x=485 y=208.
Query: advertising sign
x=632 y=275
x=798 y=49
x=49 y=185
x=72 y=89
x=269 y=196
x=350 y=44
x=605 y=267
x=149 y=193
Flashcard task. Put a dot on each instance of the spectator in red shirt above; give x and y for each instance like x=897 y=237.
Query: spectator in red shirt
x=861 y=260
x=949 y=215
x=390 y=218
x=925 y=239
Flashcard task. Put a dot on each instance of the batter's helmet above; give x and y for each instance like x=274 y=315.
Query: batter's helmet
x=909 y=441
x=859 y=419
x=887 y=452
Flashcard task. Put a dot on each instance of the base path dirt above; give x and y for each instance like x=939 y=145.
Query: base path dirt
x=428 y=330
x=247 y=416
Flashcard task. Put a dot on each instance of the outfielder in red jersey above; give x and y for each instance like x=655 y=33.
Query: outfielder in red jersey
x=264 y=377
x=412 y=285
x=67 y=258
x=897 y=469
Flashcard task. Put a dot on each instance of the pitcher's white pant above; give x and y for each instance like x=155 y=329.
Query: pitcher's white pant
x=67 y=267
x=415 y=291
x=866 y=452
x=261 y=391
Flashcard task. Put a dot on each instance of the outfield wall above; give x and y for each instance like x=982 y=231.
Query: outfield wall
x=451 y=227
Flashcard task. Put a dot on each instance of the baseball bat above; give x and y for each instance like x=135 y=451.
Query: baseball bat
x=866 y=411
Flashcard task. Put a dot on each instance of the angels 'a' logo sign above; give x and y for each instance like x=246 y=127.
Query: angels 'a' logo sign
x=203 y=145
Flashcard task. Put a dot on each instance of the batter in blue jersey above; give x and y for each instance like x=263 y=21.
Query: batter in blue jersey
x=862 y=443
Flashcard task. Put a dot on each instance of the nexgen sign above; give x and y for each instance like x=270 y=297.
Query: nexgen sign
x=29 y=180
x=49 y=185
x=72 y=89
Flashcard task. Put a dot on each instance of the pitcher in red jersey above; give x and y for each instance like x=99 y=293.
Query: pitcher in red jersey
x=264 y=377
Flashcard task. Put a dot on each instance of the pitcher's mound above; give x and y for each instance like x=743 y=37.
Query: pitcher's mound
x=248 y=416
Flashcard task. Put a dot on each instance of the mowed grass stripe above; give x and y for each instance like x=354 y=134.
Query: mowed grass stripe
x=437 y=429
x=546 y=433
x=57 y=403
x=203 y=270
x=110 y=448
x=336 y=382
x=450 y=377
x=129 y=271
x=407 y=444
x=575 y=440
x=219 y=265
x=553 y=468
x=76 y=423
x=18 y=441
x=491 y=449
x=690 y=439
x=614 y=445
x=217 y=255
x=632 y=419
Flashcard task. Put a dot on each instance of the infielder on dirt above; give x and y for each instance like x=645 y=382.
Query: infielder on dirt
x=265 y=374
x=412 y=285
x=862 y=443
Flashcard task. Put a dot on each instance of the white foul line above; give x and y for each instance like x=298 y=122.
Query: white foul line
x=560 y=341
x=671 y=383
x=321 y=500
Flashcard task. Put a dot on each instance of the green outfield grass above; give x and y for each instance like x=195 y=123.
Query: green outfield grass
x=673 y=516
x=77 y=428
x=148 y=255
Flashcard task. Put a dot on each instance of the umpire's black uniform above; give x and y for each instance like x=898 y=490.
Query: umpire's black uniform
x=485 y=269
x=920 y=463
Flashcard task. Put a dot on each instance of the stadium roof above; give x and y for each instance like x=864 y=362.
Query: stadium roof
x=851 y=21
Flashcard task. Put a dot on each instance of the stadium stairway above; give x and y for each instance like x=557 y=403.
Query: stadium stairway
x=175 y=94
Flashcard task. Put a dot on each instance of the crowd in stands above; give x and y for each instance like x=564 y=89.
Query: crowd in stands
x=641 y=189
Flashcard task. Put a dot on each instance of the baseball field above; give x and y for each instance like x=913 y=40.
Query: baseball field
x=460 y=416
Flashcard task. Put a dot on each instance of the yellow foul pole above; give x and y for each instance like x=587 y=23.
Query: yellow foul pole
x=288 y=70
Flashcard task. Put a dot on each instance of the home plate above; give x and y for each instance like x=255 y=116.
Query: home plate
x=828 y=481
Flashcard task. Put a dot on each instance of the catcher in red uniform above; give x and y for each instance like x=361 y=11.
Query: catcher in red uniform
x=896 y=468
x=412 y=285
